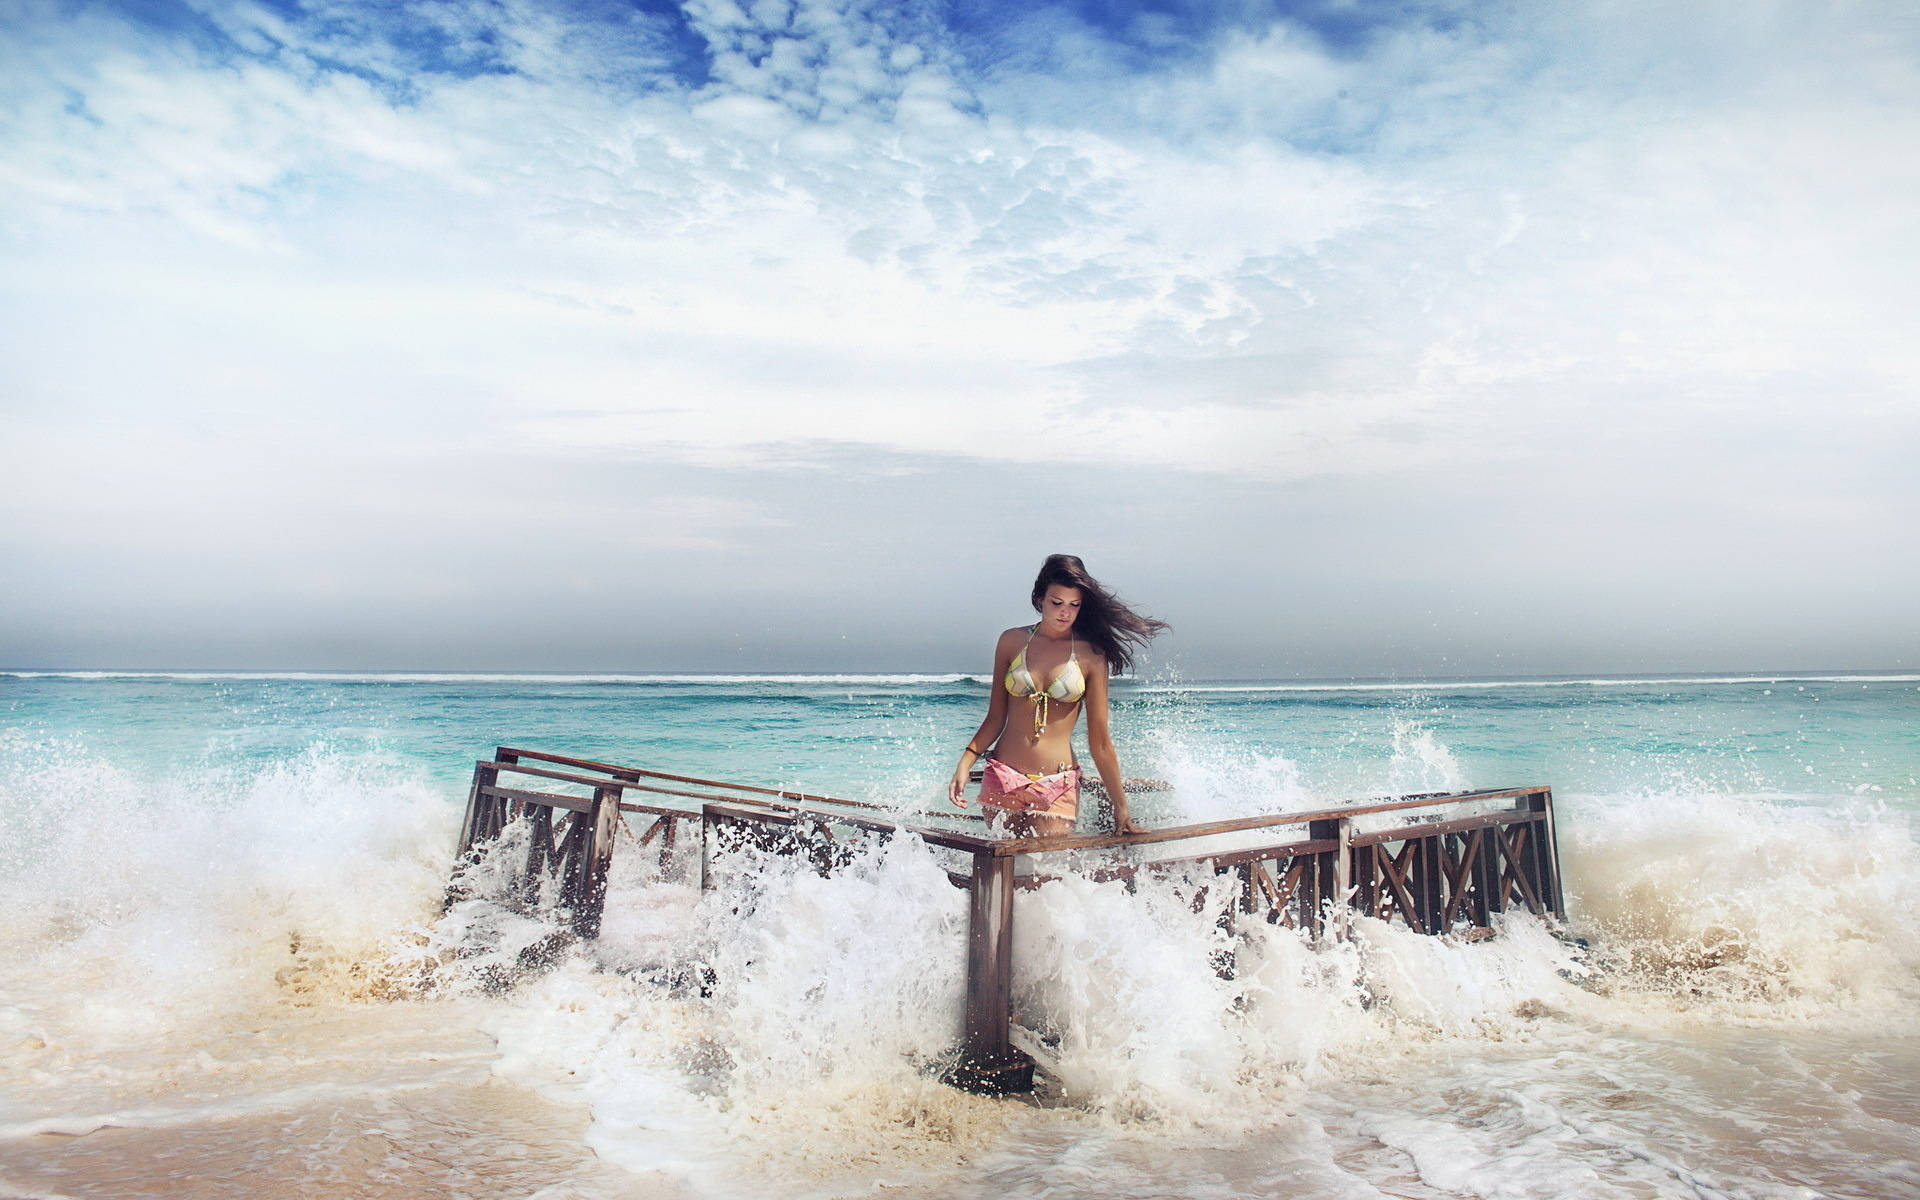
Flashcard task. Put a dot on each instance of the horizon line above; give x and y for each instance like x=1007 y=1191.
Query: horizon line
x=1160 y=683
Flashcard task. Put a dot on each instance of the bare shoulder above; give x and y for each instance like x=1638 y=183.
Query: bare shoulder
x=1017 y=636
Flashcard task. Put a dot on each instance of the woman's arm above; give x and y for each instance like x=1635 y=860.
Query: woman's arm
x=1100 y=746
x=982 y=738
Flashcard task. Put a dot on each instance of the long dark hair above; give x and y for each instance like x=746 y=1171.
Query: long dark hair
x=1115 y=630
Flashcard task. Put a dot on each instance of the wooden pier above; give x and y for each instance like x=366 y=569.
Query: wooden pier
x=1435 y=863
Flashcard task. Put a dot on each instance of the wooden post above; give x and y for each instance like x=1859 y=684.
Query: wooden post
x=539 y=850
x=1343 y=879
x=1473 y=846
x=706 y=849
x=1495 y=862
x=1239 y=895
x=1430 y=889
x=471 y=825
x=590 y=887
x=1547 y=853
x=987 y=1061
x=1333 y=875
x=1365 y=879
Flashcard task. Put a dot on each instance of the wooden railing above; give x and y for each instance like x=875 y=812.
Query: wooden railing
x=1436 y=863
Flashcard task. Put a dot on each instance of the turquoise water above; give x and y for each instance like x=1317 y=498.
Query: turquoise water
x=1809 y=736
x=227 y=971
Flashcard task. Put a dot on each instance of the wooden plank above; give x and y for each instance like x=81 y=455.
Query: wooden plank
x=933 y=837
x=653 y=830
x=936 y=837
x=661 y=810
x=1487 y=877
x=539 y=850
x=1260 y=884
x=1393 y=871
x=1039 y=845
x=1290 y=891
x=627 y=779
x=1430 y=882
x=706 y=851
x=1514 y=866
x=845 y=818
x=1233 y=858
x=512 y=755
x=703 y=797
x=540 y=799
x=575 y=832
x=1460 y=879
x=1409 y=832
x=752 y=816
x=563 y=776
x=1365 y=867
x=635 y=774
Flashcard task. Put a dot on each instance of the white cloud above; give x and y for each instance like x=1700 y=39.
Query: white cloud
x=1560 y=235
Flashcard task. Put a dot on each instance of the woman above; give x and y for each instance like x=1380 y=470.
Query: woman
x=1042 y=682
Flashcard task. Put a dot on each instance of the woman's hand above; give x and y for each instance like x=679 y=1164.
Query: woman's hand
x=957 y=786
x=1130 y=825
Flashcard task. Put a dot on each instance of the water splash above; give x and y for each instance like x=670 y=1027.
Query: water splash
x=1421 y=762
x=1747 y=907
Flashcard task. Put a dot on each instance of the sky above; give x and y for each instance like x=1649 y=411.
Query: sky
x=1396 y=339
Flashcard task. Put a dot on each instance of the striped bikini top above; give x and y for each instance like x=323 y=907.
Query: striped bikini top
x=1068 y=685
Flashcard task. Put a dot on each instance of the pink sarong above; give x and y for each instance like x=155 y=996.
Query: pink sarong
x=1056 y=795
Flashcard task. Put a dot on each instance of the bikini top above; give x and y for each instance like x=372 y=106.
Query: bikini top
x=1068 y=685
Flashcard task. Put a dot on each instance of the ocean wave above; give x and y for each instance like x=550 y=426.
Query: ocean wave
x=806 y=1015
x=187 y=892
x=907 y=679
x=1747 y=907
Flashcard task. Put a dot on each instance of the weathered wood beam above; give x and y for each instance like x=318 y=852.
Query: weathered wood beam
x=987 y=1061
x=1547 y=847
x=1403 y=833
x=596 y=861
x=1040 y=845
x=540 y=799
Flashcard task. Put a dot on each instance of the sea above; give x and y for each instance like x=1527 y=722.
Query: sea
x=228 y=969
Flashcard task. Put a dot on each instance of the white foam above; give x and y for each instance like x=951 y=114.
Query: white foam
x=1421 y=762
x=180 y=897
x=141 y=910
x=1206 y=786
x=1749 y=907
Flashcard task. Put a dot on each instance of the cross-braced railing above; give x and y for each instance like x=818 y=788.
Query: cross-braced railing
x=1436 y=863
